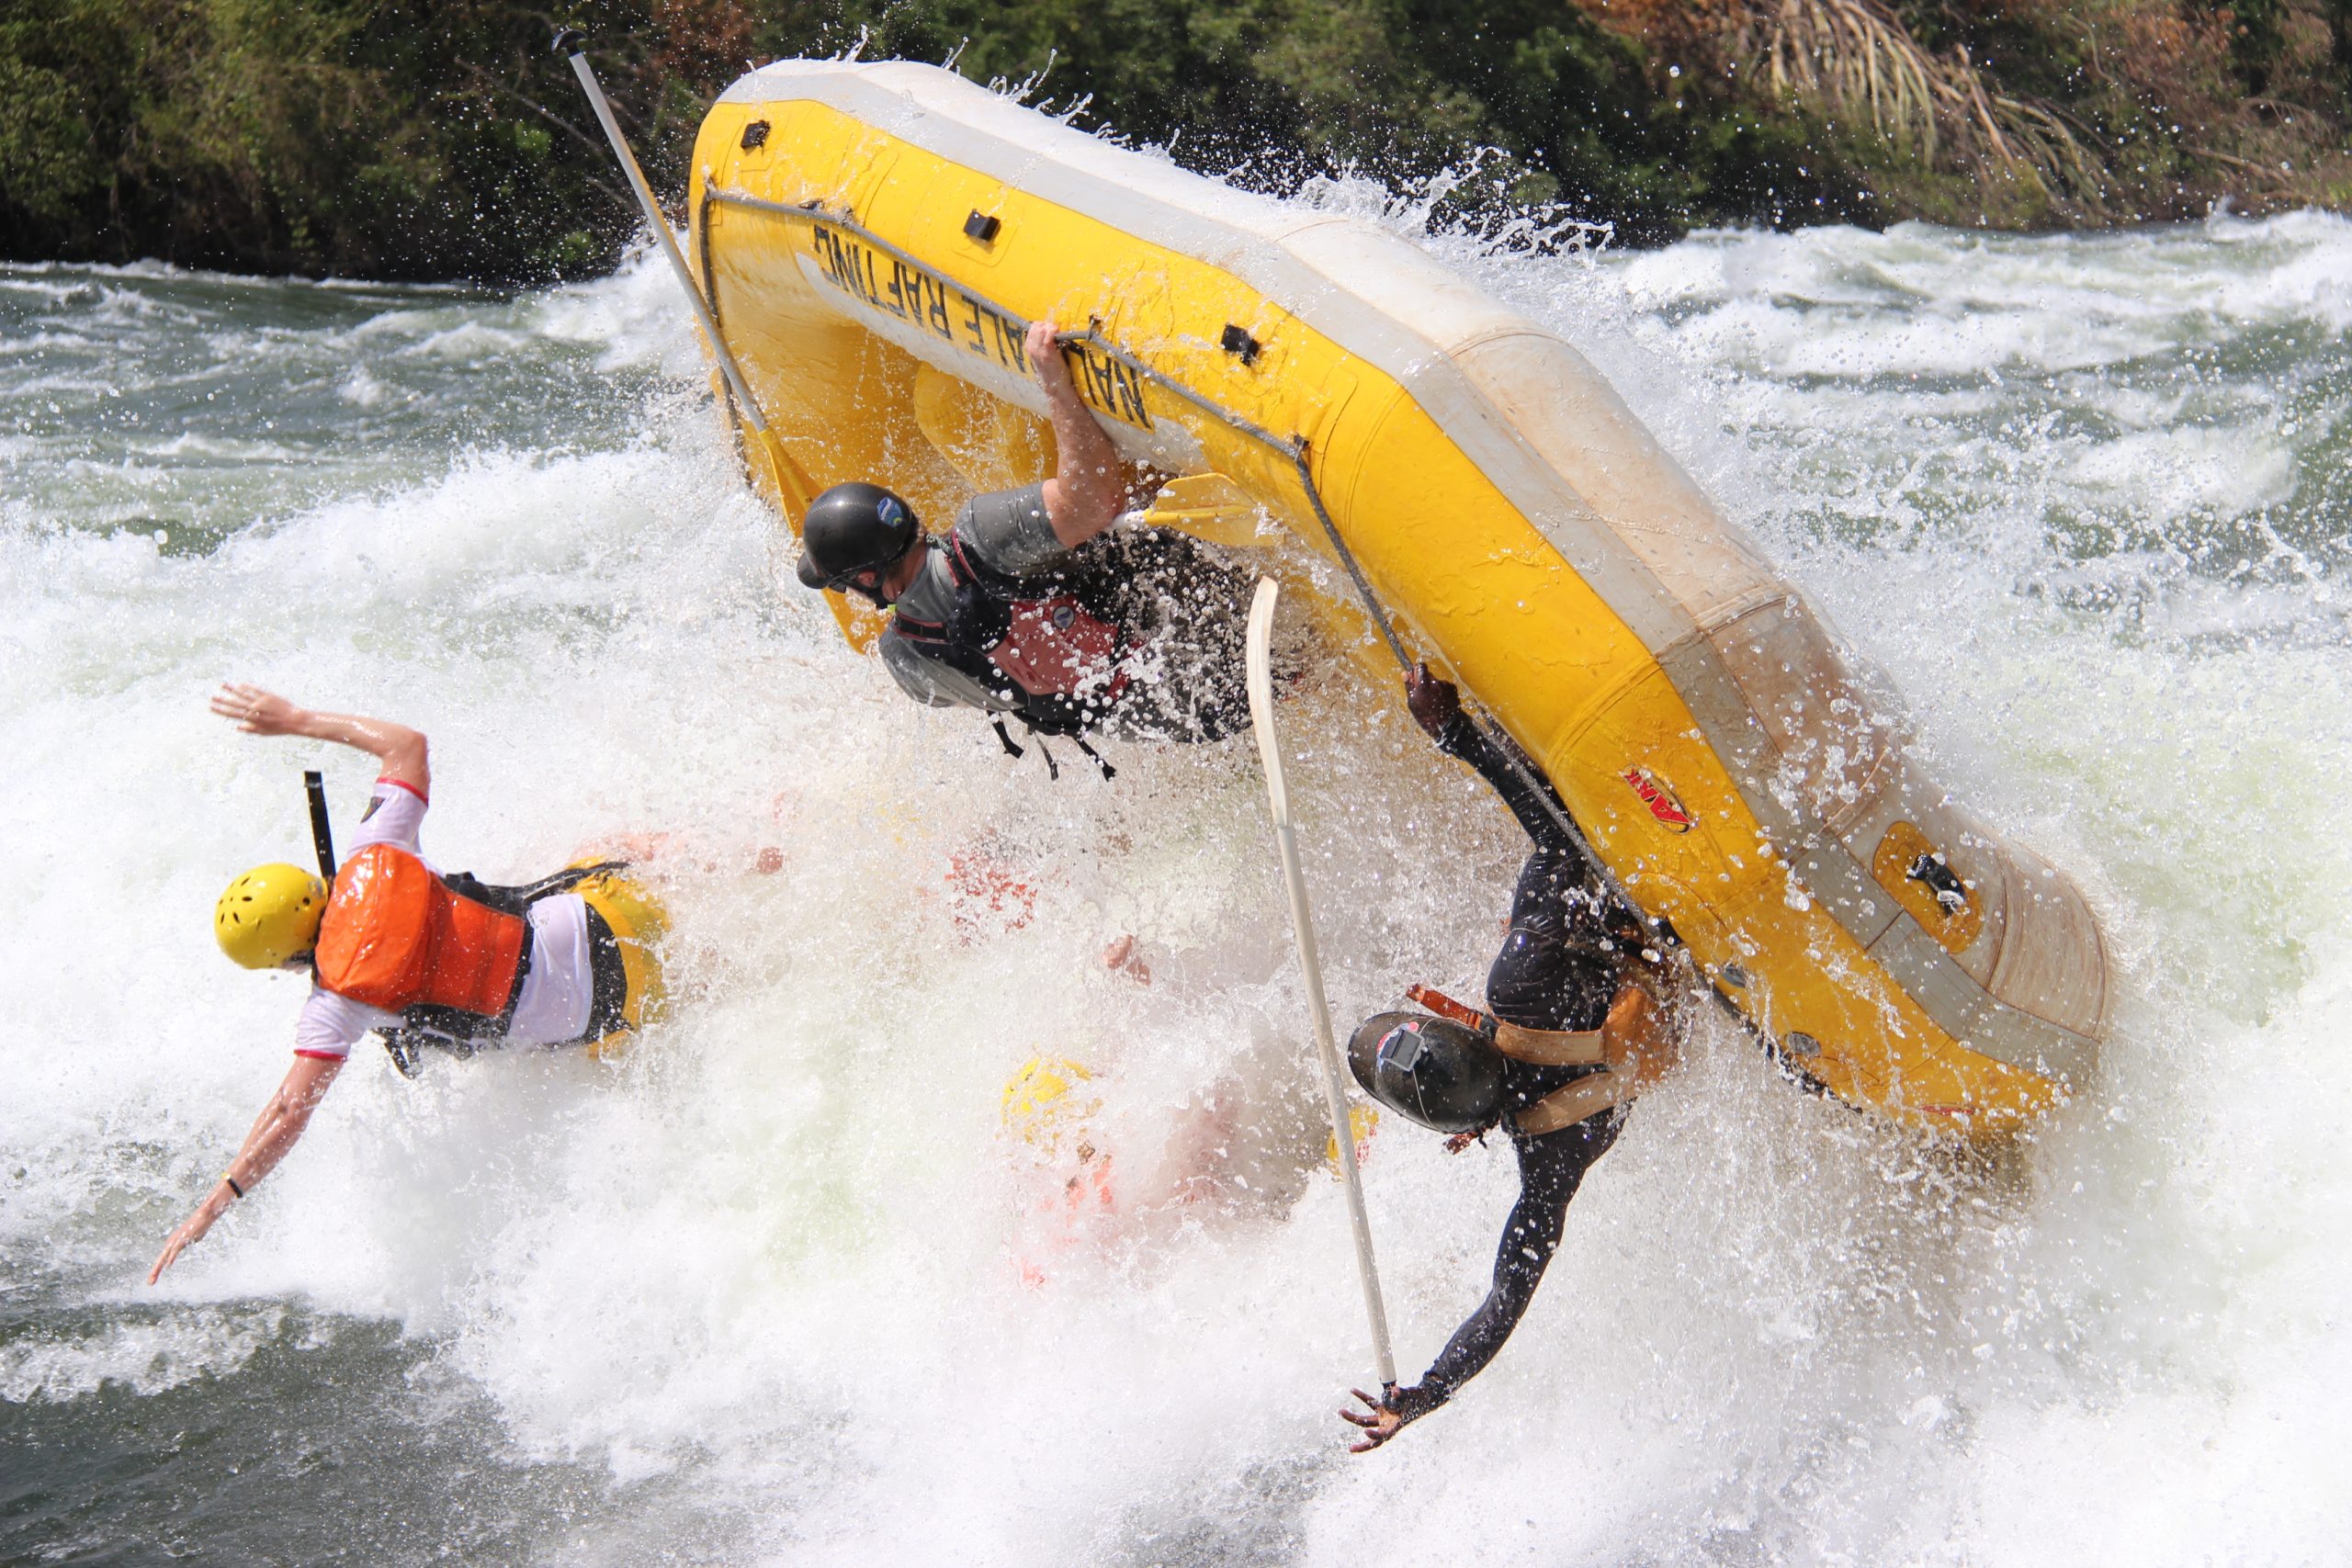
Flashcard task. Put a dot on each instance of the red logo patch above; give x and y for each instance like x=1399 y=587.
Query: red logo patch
x=1660 y=800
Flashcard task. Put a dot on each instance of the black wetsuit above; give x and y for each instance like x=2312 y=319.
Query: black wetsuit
x=1552 y=974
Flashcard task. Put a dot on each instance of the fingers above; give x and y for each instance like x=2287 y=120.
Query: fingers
x=243 y=704
x=1045 y=353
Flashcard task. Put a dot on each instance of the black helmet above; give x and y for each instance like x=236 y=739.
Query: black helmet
x=1440 y=1073
x=851 y=528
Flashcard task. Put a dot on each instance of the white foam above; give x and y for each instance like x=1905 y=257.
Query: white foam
x=785 y=1257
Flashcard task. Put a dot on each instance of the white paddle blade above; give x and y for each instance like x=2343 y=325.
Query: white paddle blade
x=1262 y=694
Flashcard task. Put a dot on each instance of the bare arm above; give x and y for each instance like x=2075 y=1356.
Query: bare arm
x=401 y=748
x=1088 y=488
x=274 y=1132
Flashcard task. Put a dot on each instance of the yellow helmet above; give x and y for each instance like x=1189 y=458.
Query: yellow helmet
x=1039 y=1105
x=269 y=915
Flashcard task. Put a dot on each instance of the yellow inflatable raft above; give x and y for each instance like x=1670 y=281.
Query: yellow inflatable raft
x=873 y=238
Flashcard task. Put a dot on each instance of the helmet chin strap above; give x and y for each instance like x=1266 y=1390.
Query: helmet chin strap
x=847 y=584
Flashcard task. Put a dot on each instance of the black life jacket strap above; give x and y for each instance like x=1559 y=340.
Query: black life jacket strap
x=608 y=980
x=405 y=1046
x=1053 y=769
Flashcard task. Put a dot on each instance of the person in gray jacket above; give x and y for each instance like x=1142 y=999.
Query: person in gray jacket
x=1032 y=607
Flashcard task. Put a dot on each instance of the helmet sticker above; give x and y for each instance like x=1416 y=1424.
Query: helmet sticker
x=889 y=510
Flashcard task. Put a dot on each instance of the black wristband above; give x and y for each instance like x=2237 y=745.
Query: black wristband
x=233 y=1185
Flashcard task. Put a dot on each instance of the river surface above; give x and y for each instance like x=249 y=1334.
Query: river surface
x=782 y=1287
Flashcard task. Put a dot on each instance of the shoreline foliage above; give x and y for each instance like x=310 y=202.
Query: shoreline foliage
x=439 y=139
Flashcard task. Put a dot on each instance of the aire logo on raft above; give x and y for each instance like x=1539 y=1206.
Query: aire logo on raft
x=1660 y=800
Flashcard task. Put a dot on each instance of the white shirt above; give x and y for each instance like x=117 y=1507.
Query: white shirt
x=553 y=1008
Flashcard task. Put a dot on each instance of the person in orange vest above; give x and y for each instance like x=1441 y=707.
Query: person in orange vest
x=425 y=958
x=1032 y=607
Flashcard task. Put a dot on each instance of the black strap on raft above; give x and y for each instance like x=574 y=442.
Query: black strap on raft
x=1495 y=732
x=321 y=833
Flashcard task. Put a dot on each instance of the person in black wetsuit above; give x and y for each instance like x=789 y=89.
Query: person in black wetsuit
x=1568 y=1039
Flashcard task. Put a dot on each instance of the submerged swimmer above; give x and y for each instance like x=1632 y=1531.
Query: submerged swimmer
x=422 y=957
x=1032 y=608
x=1571 y=1035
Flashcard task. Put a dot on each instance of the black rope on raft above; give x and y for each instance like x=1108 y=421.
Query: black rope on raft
x=1505 y=747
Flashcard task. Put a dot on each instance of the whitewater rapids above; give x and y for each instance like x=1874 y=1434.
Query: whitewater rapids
x=777 y=1290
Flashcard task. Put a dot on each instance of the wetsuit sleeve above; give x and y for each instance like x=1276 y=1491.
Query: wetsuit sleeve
x=1009 y=531
x=1462 y=738
x=1550 y=1169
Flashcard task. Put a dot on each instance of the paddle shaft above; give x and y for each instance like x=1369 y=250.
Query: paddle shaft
x=567 y=44
x=1335 y=1097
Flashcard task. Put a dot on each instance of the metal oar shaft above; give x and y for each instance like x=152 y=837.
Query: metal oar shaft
x=566 y=43
x=1335 y=1095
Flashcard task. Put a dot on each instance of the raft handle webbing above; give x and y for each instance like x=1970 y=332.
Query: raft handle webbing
x=321 y=830
x=1294 y=448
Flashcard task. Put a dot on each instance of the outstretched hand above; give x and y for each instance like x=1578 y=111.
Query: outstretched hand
x=256 y=712
x=191 y=1231
x=1435 y=702
x=1380 y=1419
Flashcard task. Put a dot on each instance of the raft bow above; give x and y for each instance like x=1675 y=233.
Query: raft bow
x=873 y=238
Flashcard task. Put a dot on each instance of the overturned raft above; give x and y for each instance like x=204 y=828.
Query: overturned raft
x=874 y=237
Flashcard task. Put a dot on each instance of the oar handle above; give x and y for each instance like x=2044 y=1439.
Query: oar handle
x=321 y=830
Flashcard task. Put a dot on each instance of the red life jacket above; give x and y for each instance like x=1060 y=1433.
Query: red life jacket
x=395 y=936
x=1052 y=646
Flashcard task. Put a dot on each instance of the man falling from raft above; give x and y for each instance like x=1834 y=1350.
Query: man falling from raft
x=1570 y=1037
x=424 y=958
x=1030 y=608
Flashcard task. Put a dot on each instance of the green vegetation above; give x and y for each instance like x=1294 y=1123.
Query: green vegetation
x=428 y=139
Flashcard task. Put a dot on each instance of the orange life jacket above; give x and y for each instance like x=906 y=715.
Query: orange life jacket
x=395 y=936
